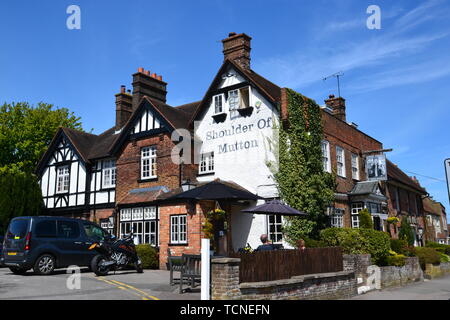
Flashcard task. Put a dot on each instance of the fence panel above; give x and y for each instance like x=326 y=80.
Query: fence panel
x=284 y=264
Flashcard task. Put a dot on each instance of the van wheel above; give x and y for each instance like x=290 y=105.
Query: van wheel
x=17 y=270
x=44 y=265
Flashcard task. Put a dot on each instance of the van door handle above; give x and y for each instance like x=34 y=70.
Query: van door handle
x=78 y=242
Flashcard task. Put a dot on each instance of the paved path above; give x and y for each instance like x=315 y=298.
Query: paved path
x=124 y=285
x=437 y=289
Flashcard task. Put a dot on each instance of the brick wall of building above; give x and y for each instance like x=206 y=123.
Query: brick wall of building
x=195 y=218
x=129 y=166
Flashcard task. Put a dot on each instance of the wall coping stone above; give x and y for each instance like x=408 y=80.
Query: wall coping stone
x=293 y=280
x=225 y=260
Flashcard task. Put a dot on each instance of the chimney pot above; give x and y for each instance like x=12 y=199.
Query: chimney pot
x=147 y=72
x=337 y=105
x=154 y=75
x=160 y=77
x=140 y=69
x=237 y=48
x=122 y=89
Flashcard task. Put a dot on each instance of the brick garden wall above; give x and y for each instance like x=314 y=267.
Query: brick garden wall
x=225 y=285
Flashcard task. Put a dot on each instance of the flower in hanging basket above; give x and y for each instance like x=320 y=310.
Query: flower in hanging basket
x=393 y=220
x=216 y=214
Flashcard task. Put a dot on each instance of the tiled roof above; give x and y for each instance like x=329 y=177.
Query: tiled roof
x=365 y=187
x=143 y=195
x=395 y=173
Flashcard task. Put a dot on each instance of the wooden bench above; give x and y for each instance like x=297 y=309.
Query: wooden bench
x=190 y=270
x=175 y=264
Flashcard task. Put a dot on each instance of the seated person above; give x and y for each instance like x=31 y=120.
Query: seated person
x=266 y=244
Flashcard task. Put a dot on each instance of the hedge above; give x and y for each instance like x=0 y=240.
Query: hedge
x=359 y=241
x=443 y=248
x=427 y=255
x=148 y=255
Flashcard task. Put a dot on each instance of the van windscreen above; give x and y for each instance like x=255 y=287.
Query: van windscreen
x=17 y=229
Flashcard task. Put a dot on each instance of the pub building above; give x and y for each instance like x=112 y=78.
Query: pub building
x=126 y=180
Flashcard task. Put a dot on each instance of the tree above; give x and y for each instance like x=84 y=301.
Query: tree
x=25 y=134
x=26 y=131
x=301 y=180
x=20 y=195
x=365 y=219
x=406 y=232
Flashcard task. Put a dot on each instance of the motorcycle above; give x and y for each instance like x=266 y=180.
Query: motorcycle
x=115 y=255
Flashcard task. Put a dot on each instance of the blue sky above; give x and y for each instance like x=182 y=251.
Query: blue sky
x=396 y=80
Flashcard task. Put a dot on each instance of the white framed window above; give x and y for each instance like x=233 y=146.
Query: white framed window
x=178 y=229
x=143 y=222
x=207 y=163
x=218 y=103
x=62 y=179
x=148 y=162
x=326 y=156
x=356 y=208
x=340 y=161
x=233 y=99
x=355 y=166
x=274 y=224
x=109 y=173
x=337 y=219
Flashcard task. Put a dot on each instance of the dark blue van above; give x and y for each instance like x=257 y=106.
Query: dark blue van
x=47 y=243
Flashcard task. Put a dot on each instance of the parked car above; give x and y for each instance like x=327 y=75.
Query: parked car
x=48 y=243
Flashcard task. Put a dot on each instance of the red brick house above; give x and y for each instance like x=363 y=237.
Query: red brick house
x=125 y=177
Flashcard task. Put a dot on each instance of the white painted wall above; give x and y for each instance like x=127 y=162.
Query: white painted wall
x=242 y=165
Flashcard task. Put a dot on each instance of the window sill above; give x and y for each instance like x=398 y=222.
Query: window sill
x=108 y=188
x=245 y=112
x=178 y=244
x=220 y=117
x=206 y=174
x=147 y=180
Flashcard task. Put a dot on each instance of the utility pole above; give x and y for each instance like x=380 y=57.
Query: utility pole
x=337 y=75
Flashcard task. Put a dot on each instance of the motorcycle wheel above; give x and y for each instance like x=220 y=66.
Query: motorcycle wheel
x=95 y=266
x=138 y=267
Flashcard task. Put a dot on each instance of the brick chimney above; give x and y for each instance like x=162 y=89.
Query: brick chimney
x=337 y=105
x=237 y=48
x=124 y=107
x=146 y=84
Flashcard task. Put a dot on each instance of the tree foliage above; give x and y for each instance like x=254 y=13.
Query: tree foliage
x=406 y=231
x=302 y=182
x=365 y=219
x=26 y=131
x=20 y=195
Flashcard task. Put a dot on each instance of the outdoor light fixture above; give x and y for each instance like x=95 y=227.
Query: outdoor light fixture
x=187 y=185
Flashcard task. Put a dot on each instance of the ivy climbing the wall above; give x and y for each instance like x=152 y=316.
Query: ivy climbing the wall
x=302 y=182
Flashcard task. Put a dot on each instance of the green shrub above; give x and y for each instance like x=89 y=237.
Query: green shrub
x=427 y=255
x=311 y=243
x=442 y=248
x=359 y=241
x=397 y=260
x=365 y=219
x=399 y=245
x=148 y=255
x=444 y=257
x=406 y=231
